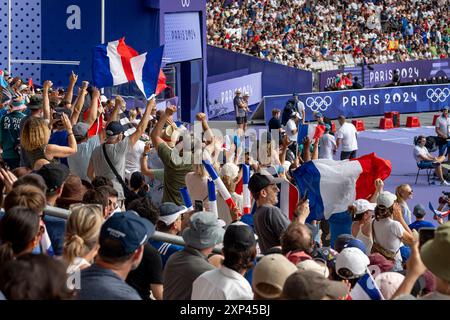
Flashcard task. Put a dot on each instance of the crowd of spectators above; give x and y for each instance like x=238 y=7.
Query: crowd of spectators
x=77 y=153
x=299 y=33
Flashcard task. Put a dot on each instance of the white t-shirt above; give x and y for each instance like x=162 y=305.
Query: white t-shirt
x=388 y=233
x=290 y=126
x=300 y=107
x=221 y=284
x=347 y=132
x=326 y=145
x=443 y=124
x=133 y=159
x=420 y=151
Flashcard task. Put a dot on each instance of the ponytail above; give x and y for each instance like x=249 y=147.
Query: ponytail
x=6 y=252
x=73 y=247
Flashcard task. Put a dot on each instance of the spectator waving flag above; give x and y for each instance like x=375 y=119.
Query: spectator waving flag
x=146 y=69
x=366 y=289
x=111 y=64
x=333 y=185
x=312 y=131
x=288 y=199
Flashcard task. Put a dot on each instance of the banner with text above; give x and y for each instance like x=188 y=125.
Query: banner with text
x=221 y=94
x=378 y=75
x=367 y=102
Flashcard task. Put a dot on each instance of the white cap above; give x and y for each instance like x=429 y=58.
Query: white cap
x=296 y=114
x=23 y=87
x=362 y=205
x=311 y=265
x=354 y=260
x=246 y=94
x=230 y=170
x=386 y=199
x=103 y=99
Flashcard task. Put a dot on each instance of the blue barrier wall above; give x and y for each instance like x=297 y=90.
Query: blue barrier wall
x=276 y=78
x=367 y=102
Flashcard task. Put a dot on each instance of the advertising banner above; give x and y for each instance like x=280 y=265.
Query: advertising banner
x=367 y=102
x=221 y=94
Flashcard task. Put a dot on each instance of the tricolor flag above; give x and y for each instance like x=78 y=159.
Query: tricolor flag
x=246 y=192
x=366 y=289
x=288 y=199
x=313 y=131
x=212 y=198
x=438 y=214
x=45 y=243
x=111 y=64
x=147 y=69
x=333 y=185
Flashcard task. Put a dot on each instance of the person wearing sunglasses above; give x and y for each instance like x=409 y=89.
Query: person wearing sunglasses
x=404 y=192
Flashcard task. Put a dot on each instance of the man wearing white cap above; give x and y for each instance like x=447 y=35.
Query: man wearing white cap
x=351 y=264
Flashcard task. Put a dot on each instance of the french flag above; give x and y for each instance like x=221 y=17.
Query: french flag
x=288 y=199
x=366 y=289
x=333 y=185
x=112 y=64
x=212 y=198
x=312 y=131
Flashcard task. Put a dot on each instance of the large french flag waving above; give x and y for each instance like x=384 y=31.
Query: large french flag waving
x=333 y=185
x=116 y=63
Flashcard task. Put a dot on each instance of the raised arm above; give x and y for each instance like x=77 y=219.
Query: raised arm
x=209 y=136
x=156 y=132
x=72 y=81
x=143 y=123
x=93 y=109
x=144 y=165
x=82 y=92
x=55 y=151
x=45 y=99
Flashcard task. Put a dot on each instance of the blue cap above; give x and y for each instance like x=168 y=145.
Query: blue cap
x=356 y=243
x=342 y=241
x=419 y=211
x=318 y=115
x=127 y=227
x=114 y=128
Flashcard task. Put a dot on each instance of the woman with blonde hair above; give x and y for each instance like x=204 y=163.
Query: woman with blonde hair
x=82 y=232
x=34 y=140
x=404 y=192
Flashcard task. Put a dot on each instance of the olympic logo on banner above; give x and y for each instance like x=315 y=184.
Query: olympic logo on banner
x=318 y=103
x=438 y=94
x=185 y=3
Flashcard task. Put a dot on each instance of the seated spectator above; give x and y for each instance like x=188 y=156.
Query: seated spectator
x=183 y=267
x=351 y=265
x=81 y=237
x=227 y=282
x=431 y=257
x=425 y=160
x=147 y=279
x=269 y=276
x=419 y=212
x=309 y=285
x=169 y=221
x=20 y=233
x=121 y=248
x=43 y=277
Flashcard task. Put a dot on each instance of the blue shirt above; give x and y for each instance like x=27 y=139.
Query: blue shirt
x=340 y=223
x=165 y=249
x=56 y=228
x=420 y=224
x=60 y=138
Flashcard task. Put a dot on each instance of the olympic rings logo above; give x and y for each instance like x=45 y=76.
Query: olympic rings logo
x=318 y=103
x=438 y=94
x=185 y=3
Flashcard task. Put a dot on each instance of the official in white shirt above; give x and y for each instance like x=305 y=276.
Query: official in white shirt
x=347 y=137
x=442 y=131
x=228 y=282
x=327 y=144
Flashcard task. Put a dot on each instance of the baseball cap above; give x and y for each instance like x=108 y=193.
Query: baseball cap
x=389 y=282
x=169 y=212
x=35 y=103
x=386 y=199
x=309 y=285
x=239 y=237
x=356 y=243
x=259 y=181
x=238 y=91
x=354 y=260
x=246 y=94
x=80 y=130
x=314 y=265
x=362 y=205
x=341 y=241
x=318 y=115
x=54 y=174
x=114 y=128
x=129 y=229
x=419 y=211
x=272 y=270
x=432 y=252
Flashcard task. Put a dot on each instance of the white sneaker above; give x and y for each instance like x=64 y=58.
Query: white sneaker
x=445 y=183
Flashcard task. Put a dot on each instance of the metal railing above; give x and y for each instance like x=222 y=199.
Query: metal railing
x=159 y=236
